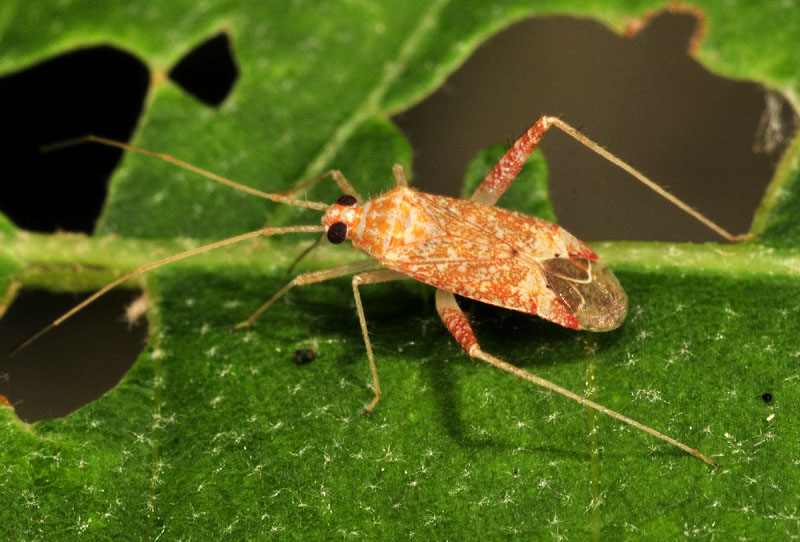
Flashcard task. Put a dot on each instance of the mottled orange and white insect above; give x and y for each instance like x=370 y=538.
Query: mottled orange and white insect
x=483 y=253
x=466 y=247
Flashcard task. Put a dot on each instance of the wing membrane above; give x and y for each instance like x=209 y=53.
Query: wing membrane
x=588 y=290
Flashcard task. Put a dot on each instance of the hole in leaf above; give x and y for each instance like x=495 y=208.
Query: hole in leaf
x=97 y=90
x=208 y=71
x=62 y=370
x=712 y=141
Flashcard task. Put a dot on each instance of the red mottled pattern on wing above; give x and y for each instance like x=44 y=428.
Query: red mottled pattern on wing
x=492 y=255
x=477 y=251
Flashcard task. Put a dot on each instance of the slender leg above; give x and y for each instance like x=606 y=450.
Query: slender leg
x=507 y=168
x=337 y=176
x=399 y=175
x=309 y=278
x=458 y=325
x=371 y=277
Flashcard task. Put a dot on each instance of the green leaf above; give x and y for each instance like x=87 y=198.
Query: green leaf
x=213 y=434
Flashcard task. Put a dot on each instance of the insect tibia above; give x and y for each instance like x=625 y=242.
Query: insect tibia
x=521 y=373
x=581 y=138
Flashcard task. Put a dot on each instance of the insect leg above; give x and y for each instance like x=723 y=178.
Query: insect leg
x=337 y=176
x=372 y=277
x=399 y=175
x=309 y=278
x=456 y=322
x=506 y=169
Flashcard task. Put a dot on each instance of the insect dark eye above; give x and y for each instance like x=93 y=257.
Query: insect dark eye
x=347 y=200
x=337 y=233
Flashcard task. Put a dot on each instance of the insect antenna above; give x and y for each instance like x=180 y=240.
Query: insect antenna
x=164 y=261
x=280 y=198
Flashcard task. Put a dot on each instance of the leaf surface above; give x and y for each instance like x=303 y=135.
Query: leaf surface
x=215 y=434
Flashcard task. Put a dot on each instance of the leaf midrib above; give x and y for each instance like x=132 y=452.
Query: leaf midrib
x=49 y=261
x=373 y=101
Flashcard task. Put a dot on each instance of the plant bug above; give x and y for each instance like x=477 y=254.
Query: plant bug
x=467 y=247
